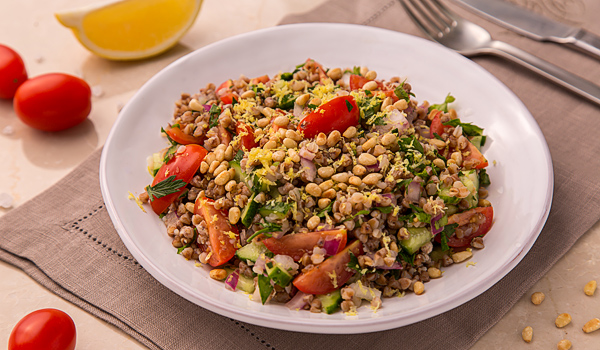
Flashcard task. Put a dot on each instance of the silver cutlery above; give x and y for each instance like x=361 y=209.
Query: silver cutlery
x=532 y=25
x=469 y=39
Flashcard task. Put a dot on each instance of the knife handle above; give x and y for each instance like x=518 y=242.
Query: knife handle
x=548 y=70
x=587 y=42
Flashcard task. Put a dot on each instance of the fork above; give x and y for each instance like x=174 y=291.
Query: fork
x=469 y=39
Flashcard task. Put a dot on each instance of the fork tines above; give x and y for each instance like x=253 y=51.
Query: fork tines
x=431 y=16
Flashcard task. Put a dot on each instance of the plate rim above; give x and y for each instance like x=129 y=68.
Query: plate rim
x=307 y=325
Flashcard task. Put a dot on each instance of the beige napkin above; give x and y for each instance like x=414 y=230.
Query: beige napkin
x=64 y=238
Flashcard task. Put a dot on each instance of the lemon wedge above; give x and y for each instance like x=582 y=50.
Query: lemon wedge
x=131 y=29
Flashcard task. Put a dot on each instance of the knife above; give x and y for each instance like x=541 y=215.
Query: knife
x=534 y=26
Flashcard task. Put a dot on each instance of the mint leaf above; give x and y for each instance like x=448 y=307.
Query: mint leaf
x=165 y=187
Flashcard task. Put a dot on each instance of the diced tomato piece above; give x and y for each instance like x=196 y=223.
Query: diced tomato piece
x=225 y=92
x=183 y=165
x=246 y=136
x=262 y=79
x=224 y=135
x=298 y=244
x=223 y=237
x=338 y=114
x=473 y=153
x=465 y=218
x=329 y=275
x=437 y=127
x=177 y=135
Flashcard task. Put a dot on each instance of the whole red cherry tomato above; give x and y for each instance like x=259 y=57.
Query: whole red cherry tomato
x=45 y=329
x=12 y=72
x=53 y=102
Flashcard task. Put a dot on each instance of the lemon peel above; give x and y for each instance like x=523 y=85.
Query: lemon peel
x=131 y=29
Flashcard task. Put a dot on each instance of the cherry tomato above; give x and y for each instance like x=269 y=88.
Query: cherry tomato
x=246 y=133
x=53 y=102
x=12 y=72
x=219 y=232
x=45 y=329
x=177 y=135
x=329 y=275
x=225 y=92
x=299 y=243
x=473 y=153
x=183 y=165
x=437 y=127
x=358 y=81
x=465 y=218
x=338 y=114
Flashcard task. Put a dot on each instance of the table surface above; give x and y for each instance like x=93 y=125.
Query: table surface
x=32 y=161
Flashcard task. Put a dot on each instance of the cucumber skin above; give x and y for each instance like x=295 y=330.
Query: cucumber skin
x=471 y=181
x=246 y=284
x=330 y=302
x=251 y=251
x=249 y=211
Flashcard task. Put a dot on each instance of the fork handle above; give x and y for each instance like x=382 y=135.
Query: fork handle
x=548 y=70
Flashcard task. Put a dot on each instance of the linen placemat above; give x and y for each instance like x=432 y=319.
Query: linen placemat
x=64 y=238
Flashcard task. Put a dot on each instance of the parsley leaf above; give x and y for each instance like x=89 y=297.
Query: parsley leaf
x=325 y=210
x=468 y=128
x=443 y=106
x=484 y=178
x=385 y=210
x=445 y=234
x=401 y=93
x=165 y=187
x=214 y=112
x=409 y=258
x=267 y=227
x=409 y=143
x=420 y=214
x=238 y=156
x=349 y=106
x=286 y=102
x=287 y=76
x=353 y=263
x=180 y=249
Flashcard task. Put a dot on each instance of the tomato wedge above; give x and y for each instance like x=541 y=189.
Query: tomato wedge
x=437 y=127
x=331 y=274
x=177 y=135
x=262 y=79
x=473 y=153
x=246 y=136
x=338 y=114
x=183 y=165
x=299 y=243
x=220 y=232
x=225 y=92
x=463 y=219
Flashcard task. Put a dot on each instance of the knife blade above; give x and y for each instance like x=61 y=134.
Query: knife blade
x=533 y=25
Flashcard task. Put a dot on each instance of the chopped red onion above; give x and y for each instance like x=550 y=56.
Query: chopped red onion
x=413 y=192
x=207 y=107
x=398 y=120
x=434 y=220
x=232 y=280
x=331 y=245
x=277 y=234
x=309 y=168
x=411 y=114
x=374 y=167
x=298 y=302
x=170 y=219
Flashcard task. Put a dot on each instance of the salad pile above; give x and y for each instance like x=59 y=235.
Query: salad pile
x=320 y=188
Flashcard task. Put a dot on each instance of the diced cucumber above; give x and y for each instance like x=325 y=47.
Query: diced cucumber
x=264 y=288
x=452 y=209
x=330 y=302
x=249 y=211
x=278 y=274
x=251 y=251
x=418 y=237
x=240 y=175
x=471 y=181
x=478 y=141
x=245 y=284
x=444 y=194
x=278 y=209
x=155 y=161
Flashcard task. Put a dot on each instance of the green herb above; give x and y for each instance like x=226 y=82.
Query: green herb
x=165 y=187
x=276 y=206
x=180 y=249
x=349 y=106
x=446 y=234
x=401 y=93
x=385 y=210
x=325 y=210
x=362 y=212
x=409 y=143
x=286 y=102
x=238 y=156
x=183 y=194
x=257 y=89
x=441 y=222
x=368 y=93
x=234 y=101
x=287 y=76
x=168 y=155
x=267 y=227
x=264 y=287
x=403 y=184
x=311 y=106
x=370 y=106
x=443 y=106
x=298 y=67
x=173 y=143
x=468 y=128
x=353 y=263
x=355 y=70
x=420 y=214
x=409 y=258
x=214 y=112
x=484 y=178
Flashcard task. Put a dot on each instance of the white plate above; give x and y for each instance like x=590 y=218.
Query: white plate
x=520 y=169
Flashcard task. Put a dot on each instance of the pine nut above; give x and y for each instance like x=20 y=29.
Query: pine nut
x=350 y=132
x=292 y=134
x=537 y=298
x=389 y=139
x=203 y=167
x=370 y=143
x=326 y=185
x=564 y=344
x=401 y=105
x=333 y=138
x=325 y=172
x=313 y=222
x=371 y=75
x=230 y=185
x=222 y=179
x=335 y=73
x=248 y=94
x=234 y=215
x=372 y=179
x=323 y=202
x=270 y=145
x=527 y=334
x=263 y=122
x=592 y=325
x=195 y=105
x=282 y=120
x=367 y=159
x=218 y=274
x=562 y=320
x=355 y=181
x=340 y=177
x=330 y=193
x=289 y=143
x=461 y=256
x=302 y=99
x=370 y=85
x=590 y=288
x=313 y=189
x=419 y=288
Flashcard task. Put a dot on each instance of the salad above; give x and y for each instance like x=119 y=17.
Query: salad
x=323 y=189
